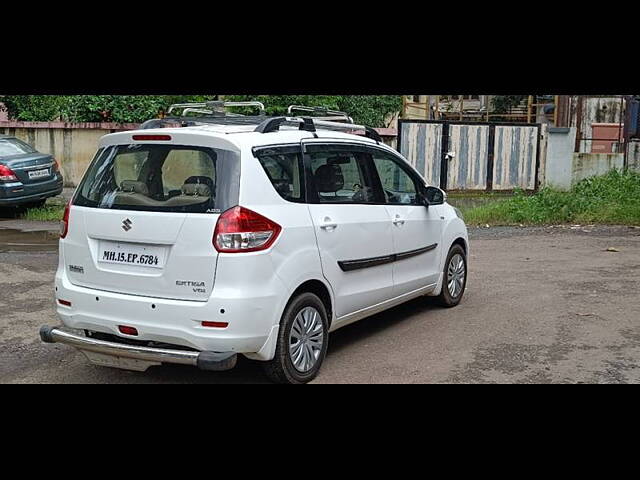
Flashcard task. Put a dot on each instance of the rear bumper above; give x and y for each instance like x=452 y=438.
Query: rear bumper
x=18 y=193
x=143 y=357
x=252 y=321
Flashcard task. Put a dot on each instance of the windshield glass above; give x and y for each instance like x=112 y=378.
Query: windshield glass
x=13 y=146
x=163 y=178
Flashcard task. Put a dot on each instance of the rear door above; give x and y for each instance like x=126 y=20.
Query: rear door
x=417 y=230
x=353 y=229
x=142 y=220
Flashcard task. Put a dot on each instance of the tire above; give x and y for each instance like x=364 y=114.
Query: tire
x=451 y=296
x=289 y=364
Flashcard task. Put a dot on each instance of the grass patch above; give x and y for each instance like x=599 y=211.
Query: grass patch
x=46 y=214
x=613 y=198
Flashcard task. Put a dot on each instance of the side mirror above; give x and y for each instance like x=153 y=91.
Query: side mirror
x=434 y=196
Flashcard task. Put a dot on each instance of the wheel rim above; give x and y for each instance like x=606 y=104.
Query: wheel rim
x=306 y=339
x=455 y=275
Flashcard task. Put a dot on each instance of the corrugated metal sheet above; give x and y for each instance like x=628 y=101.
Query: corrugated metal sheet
x=468 y=169
x=515 y=152
x=421 y=144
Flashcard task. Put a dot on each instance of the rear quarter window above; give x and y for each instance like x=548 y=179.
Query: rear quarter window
x=284 y=168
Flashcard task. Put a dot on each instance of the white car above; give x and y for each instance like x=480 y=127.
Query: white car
x=246 y=235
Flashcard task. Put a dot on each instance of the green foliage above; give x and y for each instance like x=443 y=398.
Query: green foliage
x=371 y=110
x=48 y=213
x=613 y=198
x=91 y=108
x=504 y=103
x=33 y=108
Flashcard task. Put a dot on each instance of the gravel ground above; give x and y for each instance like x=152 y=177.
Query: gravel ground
x=543 y=305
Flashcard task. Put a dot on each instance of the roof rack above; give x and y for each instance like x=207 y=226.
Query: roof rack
x=330 y=115
x=309 y=124
x=213 y=108
x=214 y=113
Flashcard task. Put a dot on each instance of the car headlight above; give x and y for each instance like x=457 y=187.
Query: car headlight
x=459 y=213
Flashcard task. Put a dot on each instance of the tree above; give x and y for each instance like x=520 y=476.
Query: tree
x=91 y=108
x=372 y=110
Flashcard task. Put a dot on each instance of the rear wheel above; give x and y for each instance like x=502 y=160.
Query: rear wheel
x=302 y=341
x=454 y=280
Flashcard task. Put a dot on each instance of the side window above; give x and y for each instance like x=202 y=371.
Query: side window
x=285 y=172
x=399 y=187
x=342 y=176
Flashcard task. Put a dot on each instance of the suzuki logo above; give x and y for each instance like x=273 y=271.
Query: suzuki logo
x=126 y=225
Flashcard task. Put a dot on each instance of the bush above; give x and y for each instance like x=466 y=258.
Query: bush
x=613 y=198
x=371 y=110
x=91 y=108
x=33 y=108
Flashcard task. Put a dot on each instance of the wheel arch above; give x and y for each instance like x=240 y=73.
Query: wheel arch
x=463 y=243
x=321 y=290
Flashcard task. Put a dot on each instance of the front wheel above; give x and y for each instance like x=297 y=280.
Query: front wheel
x=302 y=341
x=454 y=280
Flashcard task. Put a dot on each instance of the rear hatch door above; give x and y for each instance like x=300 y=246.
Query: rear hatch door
x=168 y=255
x=143 y=218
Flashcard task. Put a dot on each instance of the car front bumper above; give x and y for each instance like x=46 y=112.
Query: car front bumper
x=133 y=357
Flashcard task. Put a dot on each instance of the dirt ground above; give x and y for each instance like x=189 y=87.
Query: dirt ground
x=543 y=305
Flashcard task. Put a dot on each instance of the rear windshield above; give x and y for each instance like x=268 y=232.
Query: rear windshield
x=162 y=178
x=13 y=146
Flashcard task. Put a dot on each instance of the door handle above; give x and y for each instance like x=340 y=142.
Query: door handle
x=398 y=221
x=328 y=224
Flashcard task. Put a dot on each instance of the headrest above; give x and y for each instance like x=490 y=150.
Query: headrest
x=283 y=187
x=201 y=179
x=133 y=186
x=329 y=178
x=196 y=190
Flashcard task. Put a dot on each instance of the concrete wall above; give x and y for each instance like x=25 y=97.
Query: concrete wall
x=633 y=156
x=74 y=144
x=560 y=145
x=565 y=168
x=587 y=165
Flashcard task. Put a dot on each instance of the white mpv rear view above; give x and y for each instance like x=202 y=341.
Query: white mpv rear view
x=224 y=235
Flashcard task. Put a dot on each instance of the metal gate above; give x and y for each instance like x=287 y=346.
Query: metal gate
x=488 y=156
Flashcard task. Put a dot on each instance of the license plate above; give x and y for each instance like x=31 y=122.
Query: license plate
x=131 y=254
x=38 y=173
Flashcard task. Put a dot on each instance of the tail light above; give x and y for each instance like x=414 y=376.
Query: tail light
x=56 y=165
x=64 y=225
x=242 y=230
x=7 y=175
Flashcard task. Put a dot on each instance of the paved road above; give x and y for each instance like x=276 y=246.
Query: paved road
x=543 y=305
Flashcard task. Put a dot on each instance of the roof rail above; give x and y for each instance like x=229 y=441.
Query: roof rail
x=309 y=124
x=331 y=115
x=213 y=107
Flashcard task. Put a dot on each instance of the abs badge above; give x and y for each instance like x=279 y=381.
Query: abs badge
x=127 y=225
